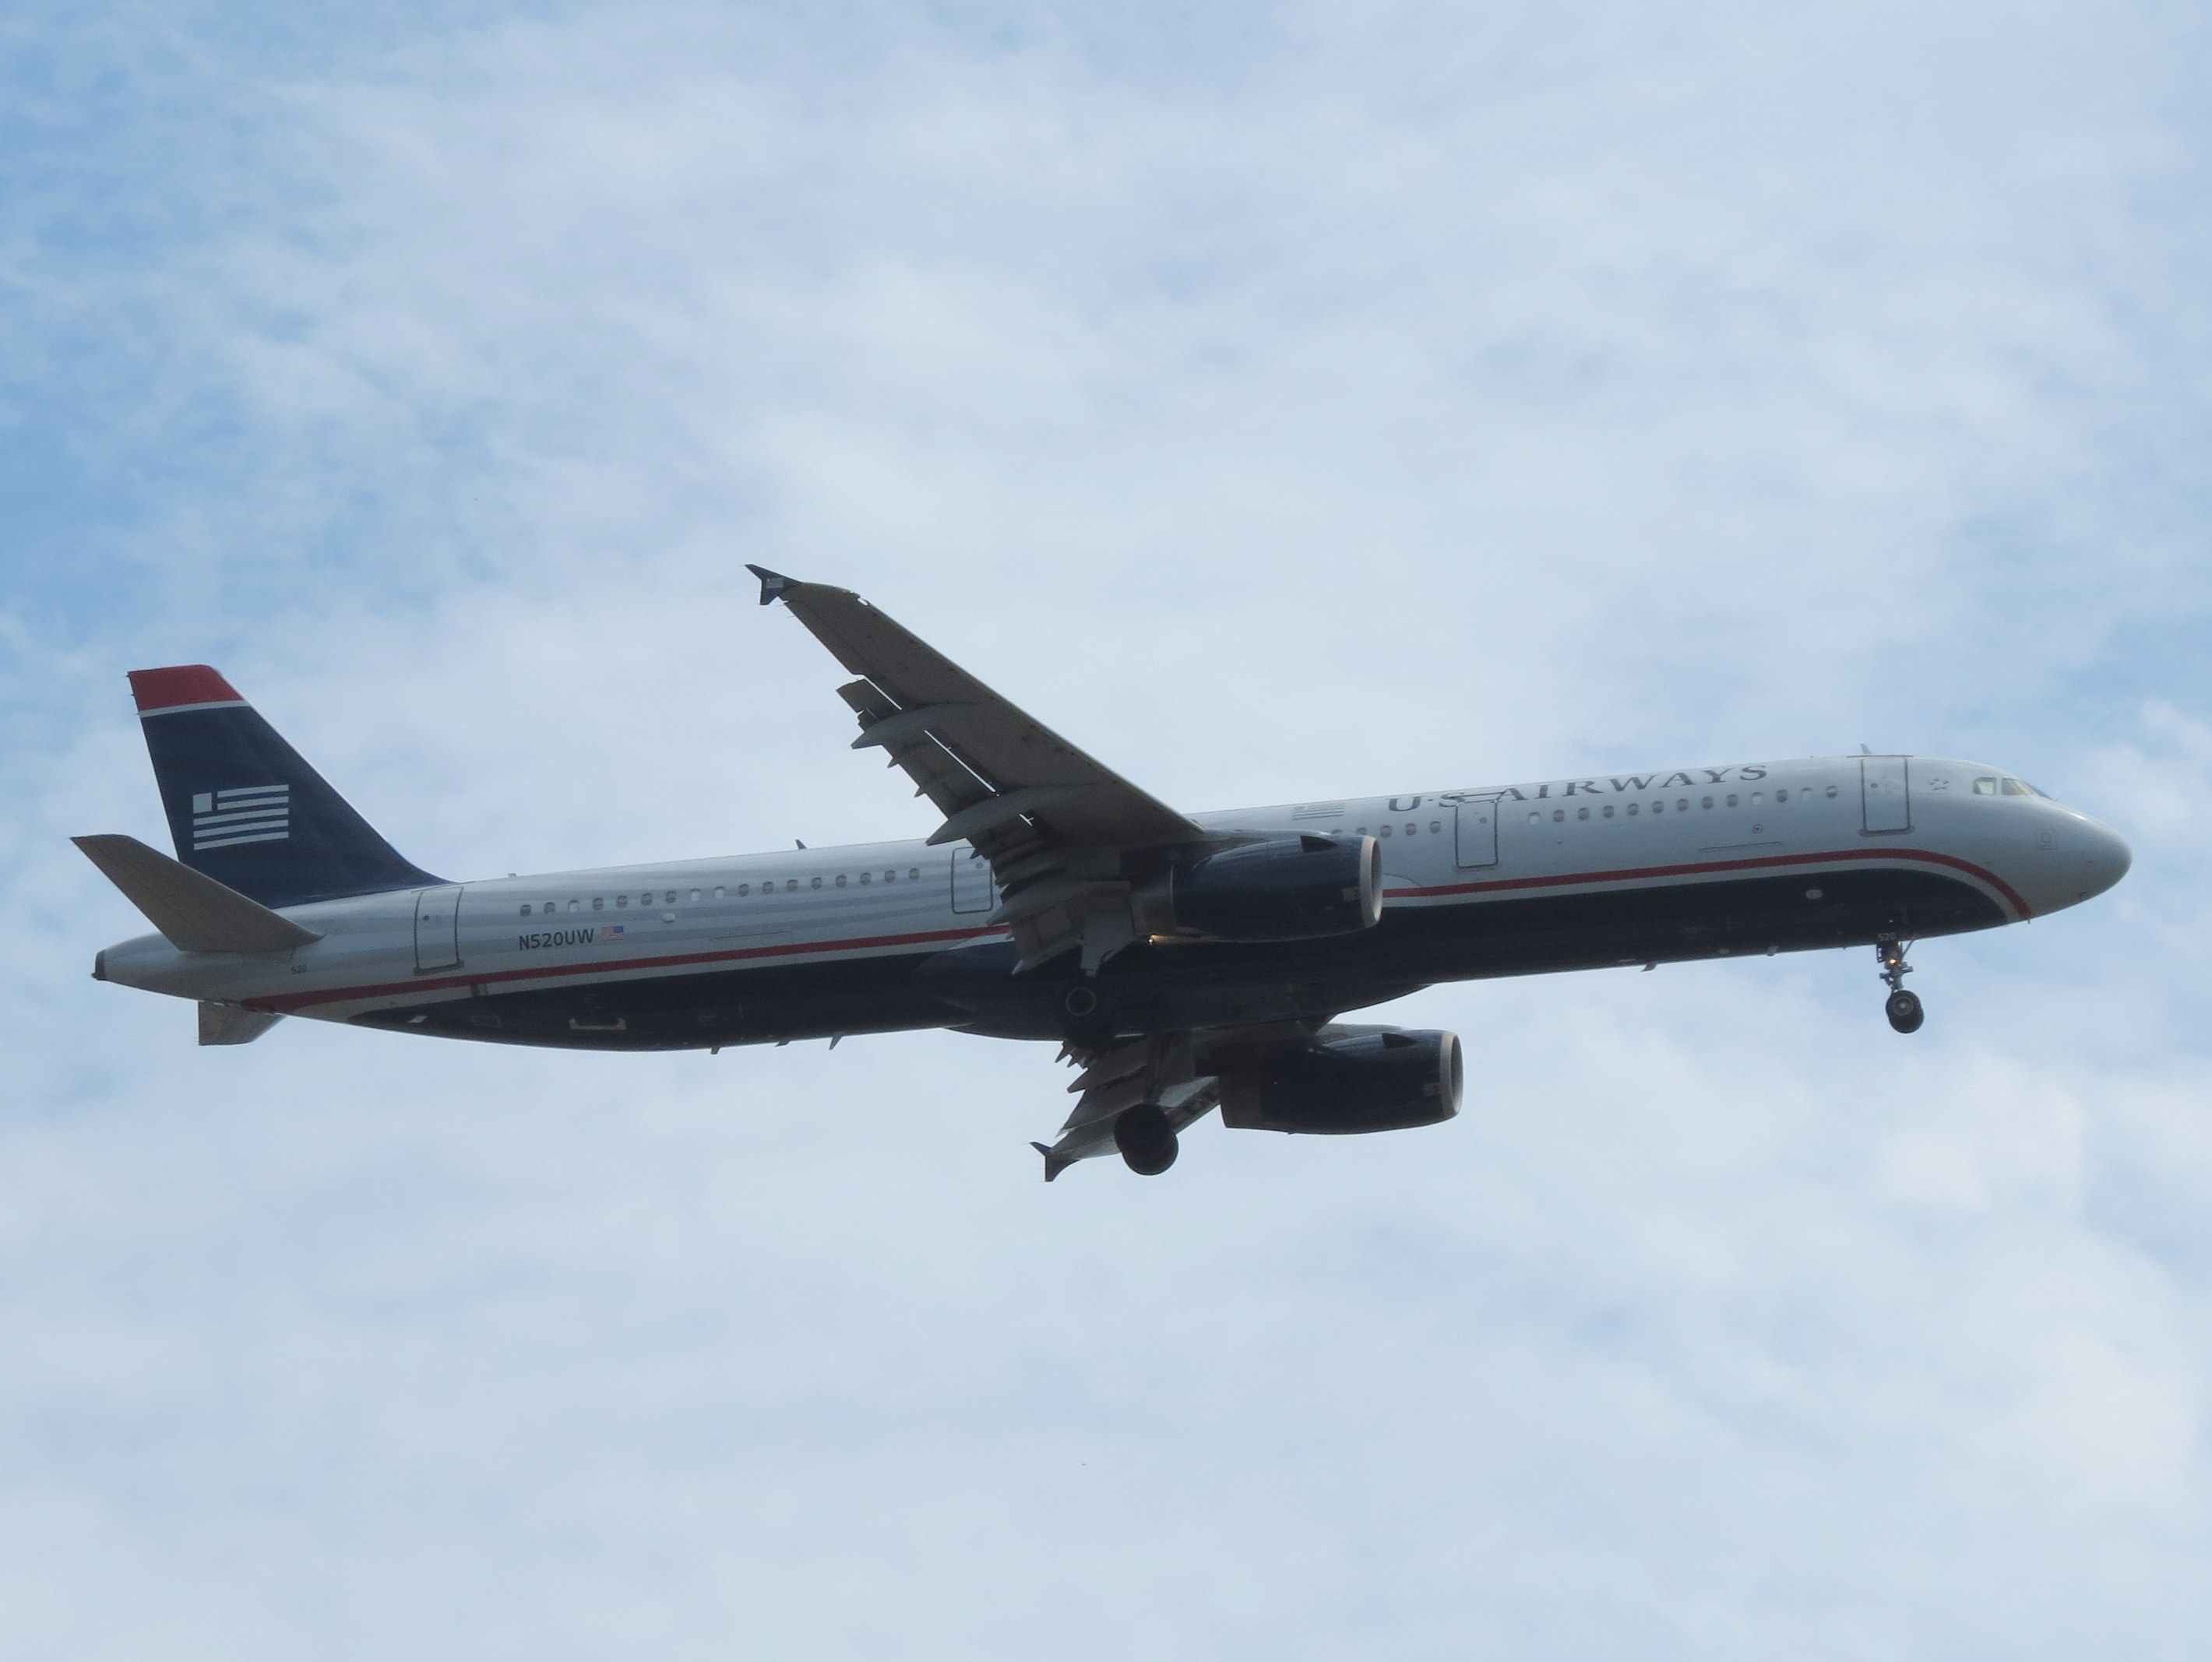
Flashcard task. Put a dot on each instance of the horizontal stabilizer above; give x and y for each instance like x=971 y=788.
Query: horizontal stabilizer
x=194 y=911
x=233 y=1024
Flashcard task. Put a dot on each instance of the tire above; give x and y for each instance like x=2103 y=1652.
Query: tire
x=1148 y=1141
x=1904 y=1011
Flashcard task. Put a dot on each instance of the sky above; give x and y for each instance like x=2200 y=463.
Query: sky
x=1283 y=402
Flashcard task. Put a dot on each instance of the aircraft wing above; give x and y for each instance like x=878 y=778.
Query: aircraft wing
x=1058 y=828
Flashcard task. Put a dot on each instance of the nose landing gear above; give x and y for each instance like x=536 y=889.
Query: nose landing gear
x=1903 y=1008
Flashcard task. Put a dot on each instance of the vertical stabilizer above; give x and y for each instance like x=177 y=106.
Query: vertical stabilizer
x=244 y=809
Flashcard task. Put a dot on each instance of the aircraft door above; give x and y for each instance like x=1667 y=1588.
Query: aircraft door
x=438 y=927
x=1476 y=833
x=1884 y=793
x=972 y=881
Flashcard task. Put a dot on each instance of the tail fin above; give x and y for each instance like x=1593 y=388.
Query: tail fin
x=244 y=809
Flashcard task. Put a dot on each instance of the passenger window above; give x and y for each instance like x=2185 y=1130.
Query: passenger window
x=525 y=908
x=1411 y=828
x=1436 y=826
x=572 y=905
x=1706 y=802
x=1535 y=818
x=791 y=885
x=890 y=877
x=913 y=873
x=598 y=903
x=1758 y=799
x=1631 y=810
x=1781 y=797
x=840 y=880
x=1985 y=787
x=695 y=897
x=1731 y=801
x=1386 y=830
x=1658 y=807
x=1581 y=812
x=1831 y=790
x=621 y=900
x=865 y=876
x=743 y=888
x=1608 y=810
x=1681 y=805
x=1559 y=816
x=669 y=899
x=816 y=883
x=718 y=891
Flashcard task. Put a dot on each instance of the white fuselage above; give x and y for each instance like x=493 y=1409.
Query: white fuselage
x=1824 y=823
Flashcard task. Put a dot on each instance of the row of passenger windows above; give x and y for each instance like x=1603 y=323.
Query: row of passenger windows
x=1982 y=787
x=721 y=892
x=1733 y=799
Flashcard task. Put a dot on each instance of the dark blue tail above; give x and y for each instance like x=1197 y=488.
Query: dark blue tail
x=244 y=809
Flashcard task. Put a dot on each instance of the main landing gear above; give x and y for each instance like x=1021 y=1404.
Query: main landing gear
x=1146 y=1140
x=1902 y=1007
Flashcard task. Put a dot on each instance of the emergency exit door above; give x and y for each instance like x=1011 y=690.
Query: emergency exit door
x=1477 y=832
x=972 y=881
x=438 y=927
x=1884 y=793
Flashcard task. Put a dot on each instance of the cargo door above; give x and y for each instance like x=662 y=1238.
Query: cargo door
x=438 y=927
x=1884 y=793
x=1476 y=833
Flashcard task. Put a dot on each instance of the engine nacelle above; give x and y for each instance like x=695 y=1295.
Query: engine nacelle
x=1370 y=1079
x=1285 y=888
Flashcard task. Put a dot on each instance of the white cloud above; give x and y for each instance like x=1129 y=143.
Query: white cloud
x=1361 y=397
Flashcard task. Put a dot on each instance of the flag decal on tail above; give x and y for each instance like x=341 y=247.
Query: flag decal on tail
x=248 y=813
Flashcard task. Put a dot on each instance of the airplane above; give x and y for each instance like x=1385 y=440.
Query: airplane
x=1183 y=961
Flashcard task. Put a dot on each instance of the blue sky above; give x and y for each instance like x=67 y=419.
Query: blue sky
x=1283 y=402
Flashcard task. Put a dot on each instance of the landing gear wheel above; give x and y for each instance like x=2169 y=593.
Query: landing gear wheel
x=1902 y=1007
x=1146 y=1139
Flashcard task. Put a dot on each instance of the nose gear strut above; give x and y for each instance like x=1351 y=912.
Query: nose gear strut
x=1902 y=1007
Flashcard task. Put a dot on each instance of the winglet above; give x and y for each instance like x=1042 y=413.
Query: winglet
x=1051 y=1171
x=773 y=584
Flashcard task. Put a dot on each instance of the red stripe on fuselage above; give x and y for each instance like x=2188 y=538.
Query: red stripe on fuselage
x=180 y=683
x=292 y=1001
x=1701 y=868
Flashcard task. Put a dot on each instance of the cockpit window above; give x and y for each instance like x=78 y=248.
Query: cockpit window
x=1985 y=786
x=2013 y=787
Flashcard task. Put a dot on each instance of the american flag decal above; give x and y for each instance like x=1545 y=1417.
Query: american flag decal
x=610 y=931
x=250 y=813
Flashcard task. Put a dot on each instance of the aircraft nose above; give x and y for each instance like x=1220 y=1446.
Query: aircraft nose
x=2105 y=857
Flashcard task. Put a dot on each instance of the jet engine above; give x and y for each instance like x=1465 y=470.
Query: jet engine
x=1283 y=888
x=1349 y=1080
